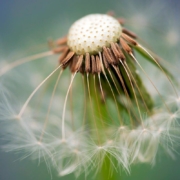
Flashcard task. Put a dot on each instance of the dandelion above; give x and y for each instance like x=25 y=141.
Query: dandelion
x=108 y=118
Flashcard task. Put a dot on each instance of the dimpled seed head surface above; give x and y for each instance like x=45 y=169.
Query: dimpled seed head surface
x=90 y=33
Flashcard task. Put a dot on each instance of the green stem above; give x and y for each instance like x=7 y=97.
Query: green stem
x=105 y=173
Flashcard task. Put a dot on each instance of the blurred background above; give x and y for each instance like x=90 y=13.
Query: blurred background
x=26 y=26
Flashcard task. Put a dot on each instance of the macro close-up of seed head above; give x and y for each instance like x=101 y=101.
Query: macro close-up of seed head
x=92 y=32
x=97 y=102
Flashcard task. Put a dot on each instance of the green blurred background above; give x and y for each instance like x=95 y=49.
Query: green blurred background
x=25 y=27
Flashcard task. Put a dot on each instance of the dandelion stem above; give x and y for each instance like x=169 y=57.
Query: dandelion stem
x=120 y=117
x=106 y=172
x=98 y=104
x=85 y=105
x=93 y=110
x=103 y=97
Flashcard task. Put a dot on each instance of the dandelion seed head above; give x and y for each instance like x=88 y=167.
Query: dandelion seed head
x=92 y=32
x=113 y=118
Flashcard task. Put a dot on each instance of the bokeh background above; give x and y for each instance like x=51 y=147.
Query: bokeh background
x=25 y=27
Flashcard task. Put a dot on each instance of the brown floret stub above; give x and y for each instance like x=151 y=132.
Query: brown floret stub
x=91 y=63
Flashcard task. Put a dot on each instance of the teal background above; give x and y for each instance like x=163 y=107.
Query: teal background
x=25 y=27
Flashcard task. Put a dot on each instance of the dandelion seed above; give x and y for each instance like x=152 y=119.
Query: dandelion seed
x=117 y=124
